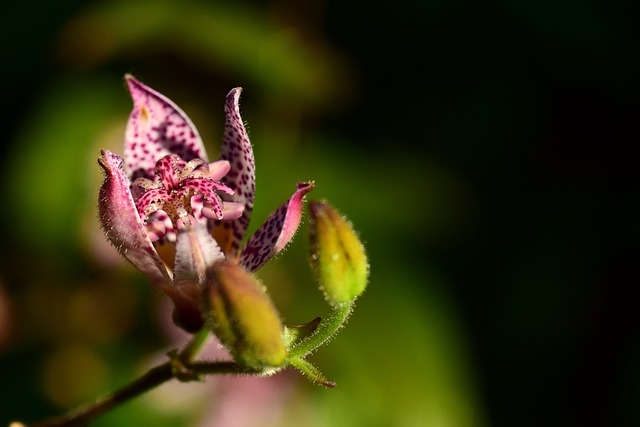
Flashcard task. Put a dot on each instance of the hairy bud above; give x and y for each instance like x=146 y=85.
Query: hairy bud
x=337 y=255
x=243 y=317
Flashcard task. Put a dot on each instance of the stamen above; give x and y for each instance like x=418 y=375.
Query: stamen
x=191 y=167
x=160 y=228
x=156 y=230
x=181 y=193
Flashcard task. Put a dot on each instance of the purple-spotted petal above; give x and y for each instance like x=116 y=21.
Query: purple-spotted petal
x=157 y=127
x=276 y=232
x=122 y=224
x=236 y=149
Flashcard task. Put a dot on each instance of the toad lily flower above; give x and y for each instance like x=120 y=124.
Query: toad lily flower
x=174 y=215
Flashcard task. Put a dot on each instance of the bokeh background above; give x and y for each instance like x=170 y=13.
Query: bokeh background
x=480 y=148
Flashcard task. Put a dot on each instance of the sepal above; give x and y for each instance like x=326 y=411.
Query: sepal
x=122 y=224
x=309 y=370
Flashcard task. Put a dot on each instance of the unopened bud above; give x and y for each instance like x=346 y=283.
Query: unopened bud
x=243 y=317
x=337 y=255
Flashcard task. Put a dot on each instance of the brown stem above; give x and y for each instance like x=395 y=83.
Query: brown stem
x=82 y=415
x=174 y=368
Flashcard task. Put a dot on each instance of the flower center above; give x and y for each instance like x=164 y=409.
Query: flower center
x=181 y=191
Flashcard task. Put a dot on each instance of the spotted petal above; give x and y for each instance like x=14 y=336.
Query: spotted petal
x=236 y=149
x=276 y=232
x=157 y=127
x=122 y=224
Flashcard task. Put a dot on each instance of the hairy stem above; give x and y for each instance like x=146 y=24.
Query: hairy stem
x=180 y=366
x=325 y=331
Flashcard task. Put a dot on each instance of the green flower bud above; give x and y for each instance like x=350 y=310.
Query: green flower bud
x=337 y=255
x=243 y=317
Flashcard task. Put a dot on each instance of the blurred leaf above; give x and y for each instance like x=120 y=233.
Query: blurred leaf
x=49 y=163
x=231 y=38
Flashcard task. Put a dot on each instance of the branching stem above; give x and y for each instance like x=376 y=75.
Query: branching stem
x=82 y=415
x=326 y=330
x=180 y=366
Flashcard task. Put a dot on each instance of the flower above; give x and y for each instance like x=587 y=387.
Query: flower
x=174 y=215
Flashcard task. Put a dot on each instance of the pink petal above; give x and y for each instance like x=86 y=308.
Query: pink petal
x=236 y=149
x=232 y=210
x=156 y=230
x=276 y=232
x=157 y=127
x=122 y=224
x=217 y=170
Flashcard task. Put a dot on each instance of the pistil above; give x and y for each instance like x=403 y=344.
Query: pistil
x=166 y=204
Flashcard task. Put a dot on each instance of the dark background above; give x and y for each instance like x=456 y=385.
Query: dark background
x=483 y=150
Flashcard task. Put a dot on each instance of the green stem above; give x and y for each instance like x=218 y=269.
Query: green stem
x=324 y=332
x=191 y=350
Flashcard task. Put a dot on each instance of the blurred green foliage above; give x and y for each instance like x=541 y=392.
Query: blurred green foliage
x=479 y=150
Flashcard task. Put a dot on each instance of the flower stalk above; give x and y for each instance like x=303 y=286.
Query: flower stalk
x=325 y=331
x=151 y=379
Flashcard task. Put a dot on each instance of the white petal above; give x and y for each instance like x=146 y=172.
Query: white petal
x=196 y=252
